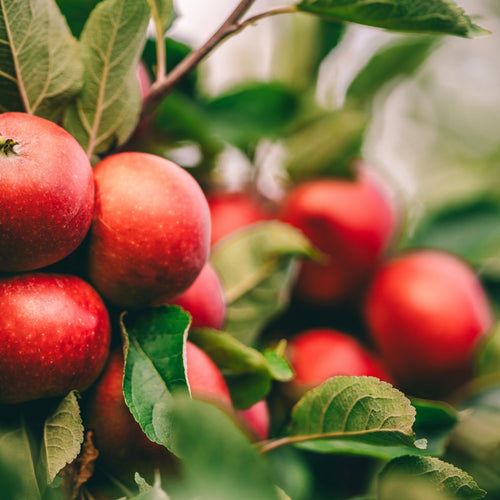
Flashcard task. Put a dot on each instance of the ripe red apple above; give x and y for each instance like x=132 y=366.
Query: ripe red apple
x=123 y=446
x=256 y=420
x=427 y=311
x=55 y=336
x=320 y=353
x=351 y=221
x=46 y=195
x=205 y=300
x=233 y=210
x=150 y=233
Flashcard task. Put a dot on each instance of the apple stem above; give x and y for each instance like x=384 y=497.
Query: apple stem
x=7 y=146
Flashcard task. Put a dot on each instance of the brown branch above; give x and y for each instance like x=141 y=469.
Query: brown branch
x=164 y=86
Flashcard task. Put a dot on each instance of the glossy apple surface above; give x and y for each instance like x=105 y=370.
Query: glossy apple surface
x=427 y=311
x=230 y=211
x=150 y=232
x=46 y=194
x=320 y=353
x=55 y=336
x=122 y=444
x=205 y=300
x=351 y=222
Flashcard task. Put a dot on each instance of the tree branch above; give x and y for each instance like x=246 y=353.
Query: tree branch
x=162 y=87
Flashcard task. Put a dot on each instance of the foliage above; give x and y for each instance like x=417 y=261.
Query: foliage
x=74 y=62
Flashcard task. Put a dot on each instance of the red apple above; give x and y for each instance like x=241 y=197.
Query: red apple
x=205 y=300
x=150 y=233
x=233 y=210
x=46 y=195
x=351 y=222
x=427 y=311
x=55 y=336
x=320 y=353
x=256 y=420
x=122 y=445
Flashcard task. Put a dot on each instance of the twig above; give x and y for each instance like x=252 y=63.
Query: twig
x=162 y=87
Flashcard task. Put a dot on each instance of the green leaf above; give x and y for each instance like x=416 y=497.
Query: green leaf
x=107 y=110
x=434 y=422
x=325 y=145
x=41 y=70
x=361 y=409
x=77 y=13
x=488 y=357
x=148 y=492
x=16 y=444
x=278 y=364
x=154 y=366
x=425 y=16
x=218 y=461
x=62 y=437
x=266 y=109
x=257 y=267
x=445 y=478
x=163 y=14
x=360 y=449
x=246 y=371
x=469 y=230
x=399 y=58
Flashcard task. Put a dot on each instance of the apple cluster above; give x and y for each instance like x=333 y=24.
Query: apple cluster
x=79 y=243
x=421 y=313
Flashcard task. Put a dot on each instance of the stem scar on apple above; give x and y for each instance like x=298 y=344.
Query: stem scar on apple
x=7 y=146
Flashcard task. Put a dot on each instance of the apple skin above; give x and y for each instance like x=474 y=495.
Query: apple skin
x=55 y=333
x=351 y=222
x=205 y=300
x=47 y=194
x=150 y=232
x=232 y=210
x=123 y=446
x=256 y=420
x=426 y=311
x=317 y=354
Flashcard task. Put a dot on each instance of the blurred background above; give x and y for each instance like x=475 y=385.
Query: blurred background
x=433 y=110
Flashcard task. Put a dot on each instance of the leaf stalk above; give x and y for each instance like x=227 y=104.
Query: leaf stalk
x=232 y=25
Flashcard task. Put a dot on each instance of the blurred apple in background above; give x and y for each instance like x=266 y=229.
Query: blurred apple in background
x=233 y=210
x=352 y=222
x=205 y=300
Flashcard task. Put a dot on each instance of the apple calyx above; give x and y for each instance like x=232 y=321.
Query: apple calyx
x=7 y=146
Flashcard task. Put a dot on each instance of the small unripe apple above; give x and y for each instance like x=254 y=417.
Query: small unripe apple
x=320 y=353
x=46 y=194
x=351 y=222
x=233 y=210
x=55 y=336
x=205 y=300
x=426 y=311
x=150 y=232
x=123 y=446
